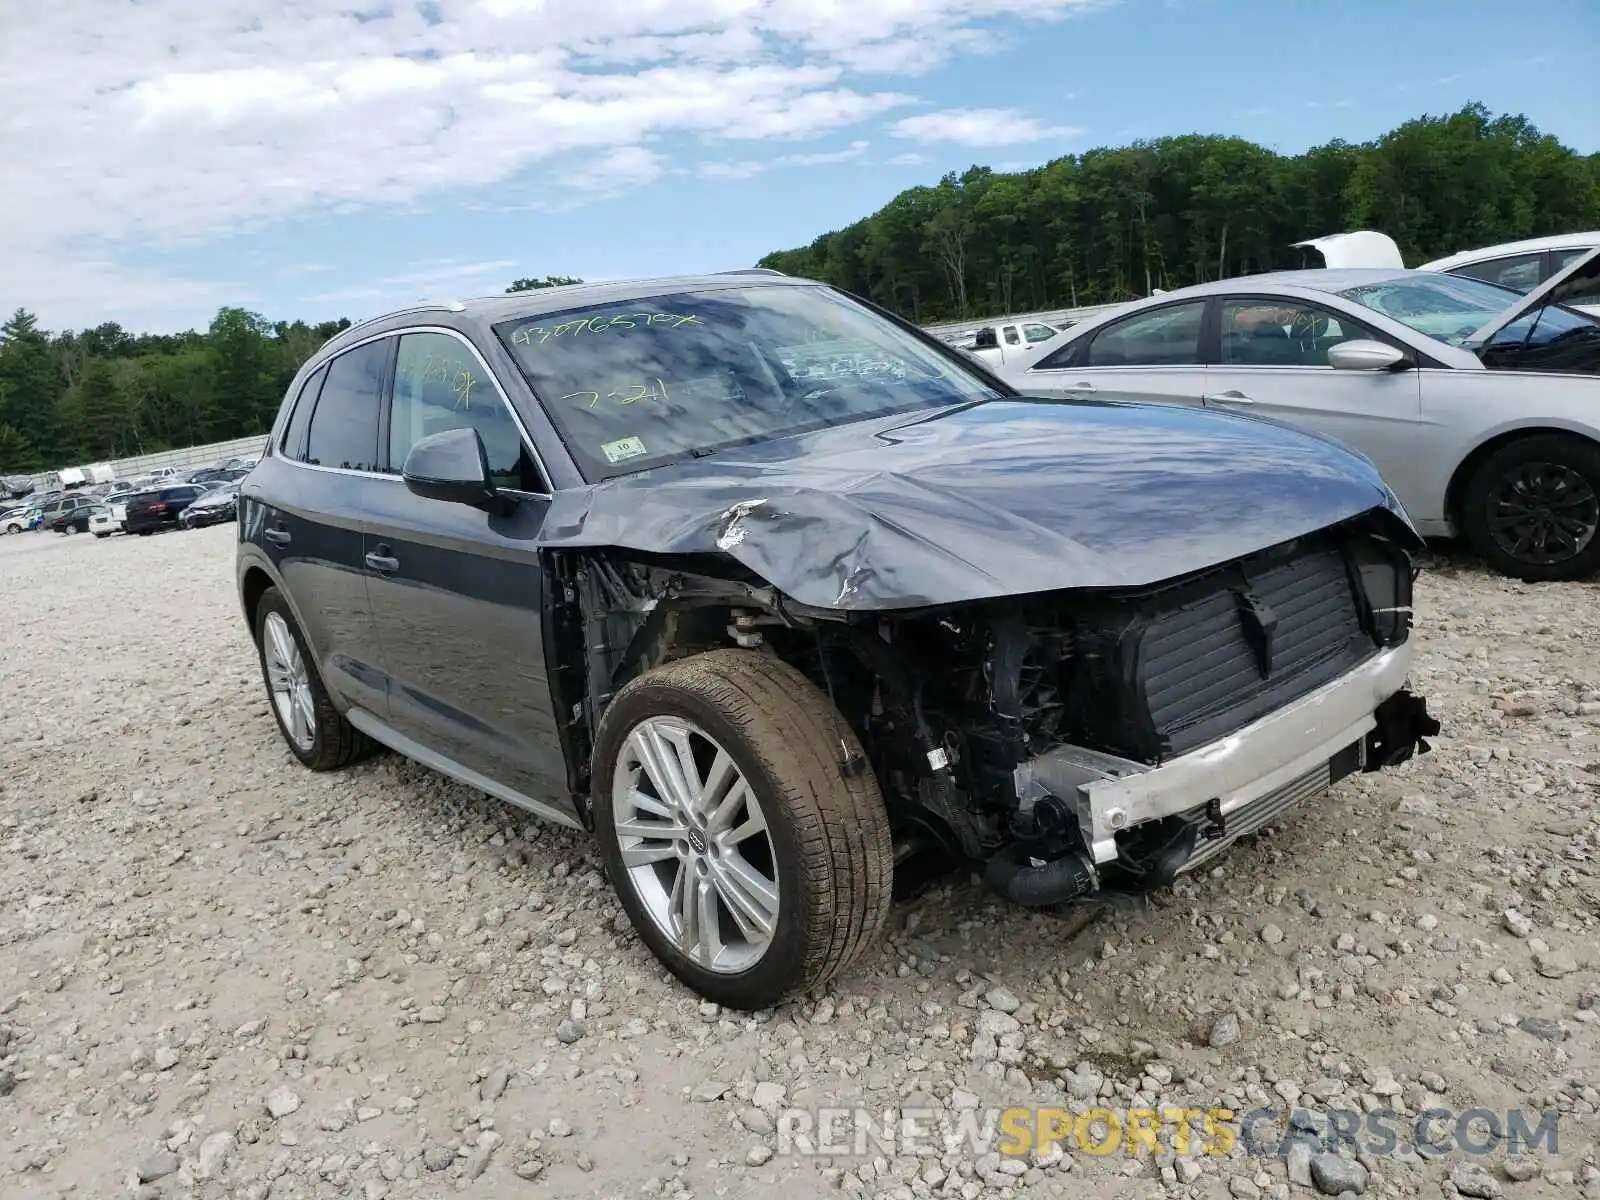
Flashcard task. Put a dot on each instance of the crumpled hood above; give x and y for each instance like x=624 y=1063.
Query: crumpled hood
x=1001 y=498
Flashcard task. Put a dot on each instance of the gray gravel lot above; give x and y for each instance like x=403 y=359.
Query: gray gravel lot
x=222 y=975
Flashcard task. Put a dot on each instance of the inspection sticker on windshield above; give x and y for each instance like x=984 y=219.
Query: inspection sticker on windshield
x=628 y=447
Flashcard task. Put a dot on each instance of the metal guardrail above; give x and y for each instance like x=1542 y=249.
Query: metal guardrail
x=191 y=456
x=145 y=464
x=1054 y=316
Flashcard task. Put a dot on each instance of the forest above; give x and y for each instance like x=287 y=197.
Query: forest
x=1106 y=225
x=1114 y=224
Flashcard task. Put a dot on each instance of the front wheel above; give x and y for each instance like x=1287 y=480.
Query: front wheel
x=1532 y=508
x=753 y=863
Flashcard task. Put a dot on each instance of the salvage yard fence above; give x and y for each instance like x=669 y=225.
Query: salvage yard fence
x=1054 y=316
x=180 y=460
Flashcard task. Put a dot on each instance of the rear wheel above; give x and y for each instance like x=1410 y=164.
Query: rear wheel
x=749 y=861
x=1532 y=508
x=318 y=735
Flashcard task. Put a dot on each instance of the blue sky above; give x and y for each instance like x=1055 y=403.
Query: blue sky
x=314 y=161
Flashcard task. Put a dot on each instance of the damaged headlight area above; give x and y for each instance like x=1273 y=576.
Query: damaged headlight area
x=1066 y=742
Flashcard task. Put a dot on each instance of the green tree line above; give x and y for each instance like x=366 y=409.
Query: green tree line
x=1116 y=223
x=72 y=398
x=105 y=393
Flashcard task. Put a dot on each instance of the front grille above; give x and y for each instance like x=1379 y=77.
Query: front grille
x=1160 y=673
x=1202 y=676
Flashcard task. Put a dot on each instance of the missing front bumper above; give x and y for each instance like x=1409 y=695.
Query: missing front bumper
x=1279 y=756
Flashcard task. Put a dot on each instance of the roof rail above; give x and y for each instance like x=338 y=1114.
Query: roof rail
x=751 y=271
x=421 y=306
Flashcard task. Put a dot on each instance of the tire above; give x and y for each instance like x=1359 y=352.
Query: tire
x=333 y=742
x=1564 y=471
x=826 y=837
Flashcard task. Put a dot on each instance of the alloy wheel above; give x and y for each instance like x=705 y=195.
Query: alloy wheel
x=1543 y=513
x=290 y=682
x=695 y=844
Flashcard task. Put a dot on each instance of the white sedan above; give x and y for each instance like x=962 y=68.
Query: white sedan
x=1479 y=406
x=103 y=521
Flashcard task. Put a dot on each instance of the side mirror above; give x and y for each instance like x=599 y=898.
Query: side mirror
x=451 y=466
x=1366 y=355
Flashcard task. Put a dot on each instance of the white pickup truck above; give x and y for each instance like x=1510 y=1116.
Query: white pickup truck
x=995 y=344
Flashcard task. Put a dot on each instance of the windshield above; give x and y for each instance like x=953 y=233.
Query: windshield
x=1547 y=338
x=1443 y=307
x=638 y=383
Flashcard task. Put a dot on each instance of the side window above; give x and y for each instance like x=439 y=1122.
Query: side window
x=344 y=425
x=1073 y=354
x=294 y=433
x=1038 y=333
x=1013 y=338
x=1561 y=260
x=439 y=384
x=1163 y=337
x=1262 y=332
x=1520 y=271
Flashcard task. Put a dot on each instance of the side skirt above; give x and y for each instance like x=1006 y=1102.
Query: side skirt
x=417 y=752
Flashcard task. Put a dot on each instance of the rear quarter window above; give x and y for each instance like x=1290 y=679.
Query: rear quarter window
x=293 y=444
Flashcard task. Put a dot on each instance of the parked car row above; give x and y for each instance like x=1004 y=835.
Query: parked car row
x=136 y=506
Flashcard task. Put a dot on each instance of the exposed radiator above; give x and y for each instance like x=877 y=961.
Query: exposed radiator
x=1158 y=674
x=1202 y=676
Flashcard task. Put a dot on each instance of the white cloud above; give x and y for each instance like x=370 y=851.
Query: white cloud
x=432 y=280
x=616 y=171
x=908 y=160
x=748 y=169
x=979 y=127
x=148 y=126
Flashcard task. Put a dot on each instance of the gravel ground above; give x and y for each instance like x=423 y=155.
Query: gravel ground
x=222 y=975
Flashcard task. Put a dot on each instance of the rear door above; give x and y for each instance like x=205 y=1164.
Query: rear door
x=458 y=594
x=1273 y=362
x=308 y=504
x=1154 y=355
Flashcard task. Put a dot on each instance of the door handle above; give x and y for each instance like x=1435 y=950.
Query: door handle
x=1229 y=397
x=382 y=563
x=278 y=537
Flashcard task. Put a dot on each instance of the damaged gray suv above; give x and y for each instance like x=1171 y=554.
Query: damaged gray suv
x=780 y=598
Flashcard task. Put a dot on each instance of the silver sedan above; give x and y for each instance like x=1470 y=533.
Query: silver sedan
x=1480 y=407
